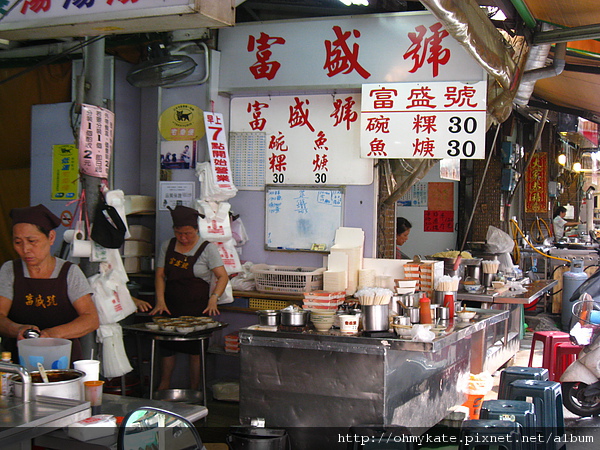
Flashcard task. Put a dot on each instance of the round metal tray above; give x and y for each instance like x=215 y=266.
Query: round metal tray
x=179 y=395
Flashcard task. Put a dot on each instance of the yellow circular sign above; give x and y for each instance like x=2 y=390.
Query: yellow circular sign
x=182 y=123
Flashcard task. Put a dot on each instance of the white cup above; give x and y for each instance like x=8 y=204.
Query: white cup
x=349 y=323
x=90 y=367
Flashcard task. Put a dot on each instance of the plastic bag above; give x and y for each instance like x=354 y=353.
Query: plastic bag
x=114 y=358
x=209 y=190
x=498 y=241
x=215 y=226
x=111 y=296
x=422 y=333
x=479 y=384
x=244 y=280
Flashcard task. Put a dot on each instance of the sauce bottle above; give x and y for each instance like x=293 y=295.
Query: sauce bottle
x=4 y=382
x=449 y=303
x=425 y=307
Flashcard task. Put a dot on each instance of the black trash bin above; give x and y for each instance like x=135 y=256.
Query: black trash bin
x=255 y=438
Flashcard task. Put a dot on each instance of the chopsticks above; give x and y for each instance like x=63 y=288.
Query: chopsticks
x=374 y=296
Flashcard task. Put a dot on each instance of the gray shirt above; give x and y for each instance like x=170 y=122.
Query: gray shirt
x=209 y=259
x=78 y=285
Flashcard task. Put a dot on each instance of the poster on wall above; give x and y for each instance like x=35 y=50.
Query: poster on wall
x=182 y=122
x=173 y=193
x=65 y=172
x=438 y=221
x=416 y=196
x=96 y=133
x=536 y=184
x=178 y=154
x=311 y=139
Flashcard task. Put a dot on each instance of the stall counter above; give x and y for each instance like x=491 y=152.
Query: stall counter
x=326 y=380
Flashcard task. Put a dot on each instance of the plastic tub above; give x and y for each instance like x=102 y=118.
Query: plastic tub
x=53 y=353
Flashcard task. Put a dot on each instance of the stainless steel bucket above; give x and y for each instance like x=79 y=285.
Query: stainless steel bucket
x=294 y=318
x=66 y=383
x=375 y=317
x=268 y=317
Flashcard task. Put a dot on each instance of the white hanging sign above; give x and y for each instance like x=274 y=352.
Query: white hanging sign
x=217 y=150
x=429 y=120
x=311 y=139
x=96 y=134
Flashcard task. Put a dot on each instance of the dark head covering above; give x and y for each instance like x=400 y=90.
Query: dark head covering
x=183 y=216
x=36 y=215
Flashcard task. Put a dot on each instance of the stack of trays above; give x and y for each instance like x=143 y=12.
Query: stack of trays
x=232 y=343
x=323 y=301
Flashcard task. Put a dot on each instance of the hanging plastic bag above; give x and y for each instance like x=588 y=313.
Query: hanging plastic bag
x=111 y=296
x=114 y=357
x=215 y=226
x=227 y=296
x=209 y=190
x=230 y=257
x=245 y=279
x=238 y=231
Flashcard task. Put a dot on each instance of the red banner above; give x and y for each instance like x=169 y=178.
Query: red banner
x=536 y=184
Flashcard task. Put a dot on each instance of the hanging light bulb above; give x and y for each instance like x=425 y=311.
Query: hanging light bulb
x=577 y=167
x=562 y=159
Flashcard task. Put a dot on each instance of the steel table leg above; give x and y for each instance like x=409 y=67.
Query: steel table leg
x=152 y=359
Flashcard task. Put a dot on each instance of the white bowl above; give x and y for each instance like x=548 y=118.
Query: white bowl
x=168 y=327
x=186 y=329
x=466 y=315
x=152 y=326
x=405 y=290
x=472 y=288
x=406 y=283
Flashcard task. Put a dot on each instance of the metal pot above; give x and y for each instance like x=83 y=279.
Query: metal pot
x=269 y=317
x=63 y=384
x=408 y=300
x=296 y=318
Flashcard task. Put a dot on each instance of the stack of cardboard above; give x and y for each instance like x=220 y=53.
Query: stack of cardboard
x=138 y=249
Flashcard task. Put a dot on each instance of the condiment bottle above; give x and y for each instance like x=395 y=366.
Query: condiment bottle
x=425 y=307
x=4 y=384
x=449 y=303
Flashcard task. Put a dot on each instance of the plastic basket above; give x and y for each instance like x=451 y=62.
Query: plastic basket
x=287 y=279
x=263 y=303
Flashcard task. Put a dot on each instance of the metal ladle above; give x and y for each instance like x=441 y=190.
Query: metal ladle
x=43 y=373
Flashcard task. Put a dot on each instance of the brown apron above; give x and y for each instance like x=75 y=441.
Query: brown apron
x=185 y=294
x=42 y=302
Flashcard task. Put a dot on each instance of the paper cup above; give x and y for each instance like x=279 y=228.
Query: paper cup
x=349 y=324
x=90 y=367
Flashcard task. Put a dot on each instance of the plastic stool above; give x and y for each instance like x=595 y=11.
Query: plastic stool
x=565 y=354
x=548 y=339
x=513 y=373
x=514 y=411
x=490 y=433
x=383 y=437
x=547 y=401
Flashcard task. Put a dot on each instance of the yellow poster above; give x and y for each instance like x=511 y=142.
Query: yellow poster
x=65 y=172
x=182 y=123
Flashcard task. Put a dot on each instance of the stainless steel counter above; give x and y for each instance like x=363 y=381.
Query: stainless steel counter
x=316 y=379
x=534 y=290
x=24 y=421
x=118 y=405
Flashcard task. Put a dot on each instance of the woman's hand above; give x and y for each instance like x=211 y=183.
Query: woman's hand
x=212 y=309
x=161 y=307
x=141 y=305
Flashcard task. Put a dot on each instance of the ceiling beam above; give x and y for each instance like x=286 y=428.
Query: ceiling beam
x=582 y=33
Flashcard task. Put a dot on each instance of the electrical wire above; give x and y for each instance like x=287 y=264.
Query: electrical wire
x=515 y=227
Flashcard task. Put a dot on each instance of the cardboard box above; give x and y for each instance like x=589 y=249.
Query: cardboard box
x=140 y=233
x=137 y=248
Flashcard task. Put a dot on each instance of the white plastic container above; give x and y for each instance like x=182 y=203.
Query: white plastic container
x=52 y=353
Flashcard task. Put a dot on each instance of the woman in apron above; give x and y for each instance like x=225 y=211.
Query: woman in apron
x=184 y=268
x=39 y=291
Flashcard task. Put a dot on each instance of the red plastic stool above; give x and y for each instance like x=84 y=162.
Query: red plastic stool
x=549 y=339
x=565 y=354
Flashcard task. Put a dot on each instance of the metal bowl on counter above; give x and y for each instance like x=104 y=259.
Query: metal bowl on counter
x=66 y=383
x=294 y=318
x=179 y=395
x=269 y=317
